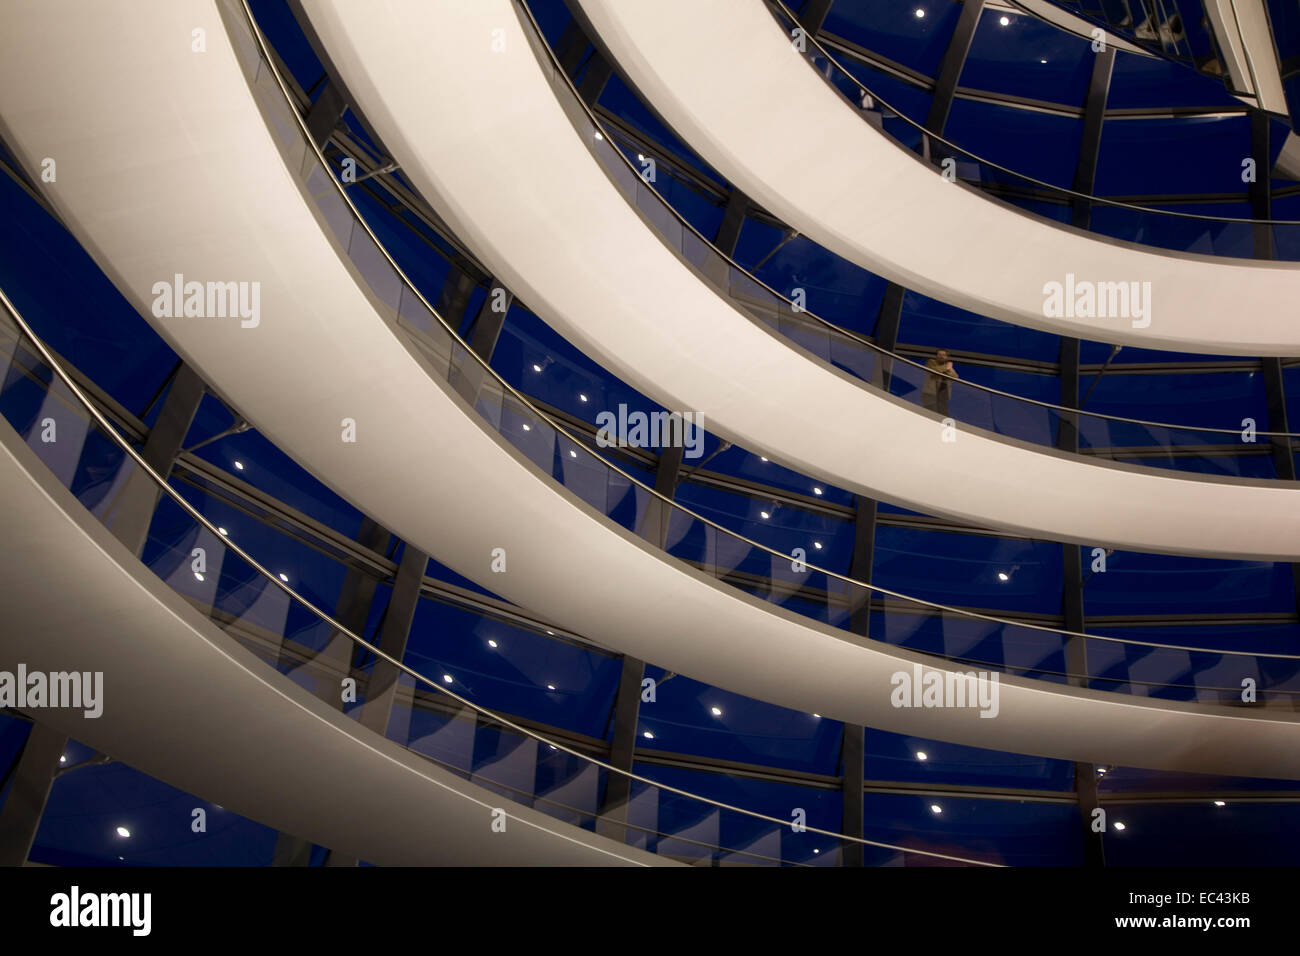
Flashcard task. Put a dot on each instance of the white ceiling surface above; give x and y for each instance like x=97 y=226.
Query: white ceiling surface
x=763 y=118
x=182 y=176
x=1245 y=43
x=186 y=703
x=498 y=158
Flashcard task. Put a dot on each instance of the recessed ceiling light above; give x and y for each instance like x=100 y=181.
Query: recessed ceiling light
x=761 y=458
x=581 y=397
x=1042 y=61
x=935 y=808
x=197 y=576
x=553 y=747
x=1219 y=803
x=817 y=545
x=552 y=633
x=63 y=759
x=648 y=736
x=1118 y=825
x=815 y=850
x=1003 y=576
x=223 y=531
x=922 y=755
x=817 y=491
x=528 y=428
x=536 y=367
x=920 y=14
x=818 y=716
x=1101 y=769
x=550 y=687
x=284 y=577
x=447 y=678
x=572 y=453
x=599 y=137
x=123 y=832
x=640 y=158
x=716 y=711
x=1005 y=21
x=765 y=514
x=239 y=465
x=492 y=643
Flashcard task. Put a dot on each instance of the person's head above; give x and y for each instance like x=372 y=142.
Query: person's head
x=941 y=355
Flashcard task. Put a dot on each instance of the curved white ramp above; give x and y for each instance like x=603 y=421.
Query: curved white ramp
x=184 y=702
x=726 y=78
x=521 y=188
x=185 y=177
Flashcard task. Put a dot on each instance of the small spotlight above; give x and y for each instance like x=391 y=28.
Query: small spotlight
x=528 y=428
x=1118 y=825
x=492 y=643
x=765 y=515
x=920 y=14
x=581 y=397
x=815 y=850
x=551 y=633
x=599 y=138
x=123 y=832
x=922 y=755
x=640 y=158
x=572 y=453
x=1005 y=21
x=223 y=532
x=818 y=716
x=1003 y=576
x=63 y=758
x=1219 y=803
x=935 y=808
x=447 y=678
x=716 y=711
x=197 y=576
x=239 y=465
x=284 y=577
x=817 y=491
x=550 y=687
x=536 y=367
x=761 y=458
x=817 y=545
x=553 y=747
x=1042 y=61
x=648 y=736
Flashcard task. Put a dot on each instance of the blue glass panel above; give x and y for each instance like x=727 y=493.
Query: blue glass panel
x=917 y=41
x=896 y=757
x=527 y=674
x=1016 y=833
x=690 y=717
